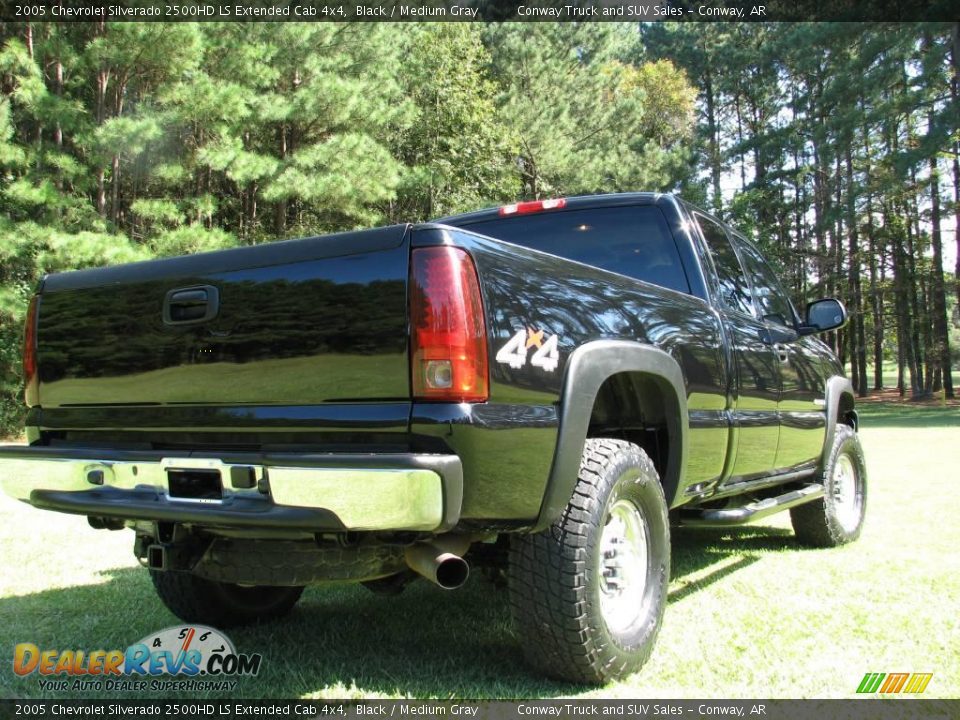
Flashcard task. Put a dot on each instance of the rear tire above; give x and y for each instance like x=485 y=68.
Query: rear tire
x=198 y=600
x=588 y=593
x=837 y=517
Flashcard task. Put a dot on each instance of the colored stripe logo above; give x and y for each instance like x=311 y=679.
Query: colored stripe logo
x=893 y=683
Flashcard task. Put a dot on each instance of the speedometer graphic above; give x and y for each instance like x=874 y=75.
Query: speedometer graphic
x=185 y=647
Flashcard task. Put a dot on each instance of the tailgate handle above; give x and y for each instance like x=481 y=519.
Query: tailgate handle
x=185 y=306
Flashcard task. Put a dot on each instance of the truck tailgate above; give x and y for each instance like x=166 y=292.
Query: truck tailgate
x=298 y=322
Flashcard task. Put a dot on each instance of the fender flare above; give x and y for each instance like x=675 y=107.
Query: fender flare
x=588 y=367
x=837 y=386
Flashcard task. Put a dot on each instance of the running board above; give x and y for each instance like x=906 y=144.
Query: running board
x=755 y=510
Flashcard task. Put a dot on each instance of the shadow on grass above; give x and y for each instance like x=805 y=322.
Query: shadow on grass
x=890 y=415
x=343 y=641
x=339 y=640
x=721 y=551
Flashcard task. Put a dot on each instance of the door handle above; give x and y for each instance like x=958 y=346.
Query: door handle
x=190 y=305
x=783 y=353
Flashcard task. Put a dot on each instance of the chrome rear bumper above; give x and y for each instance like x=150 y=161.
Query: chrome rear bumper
x=322 y=492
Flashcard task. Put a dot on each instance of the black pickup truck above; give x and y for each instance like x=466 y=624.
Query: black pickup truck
x=541 y=389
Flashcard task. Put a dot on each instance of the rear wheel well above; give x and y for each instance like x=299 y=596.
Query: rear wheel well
x=633 y=406
x=846 y=413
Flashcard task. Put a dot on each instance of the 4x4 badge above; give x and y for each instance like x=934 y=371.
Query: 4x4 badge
x=514 y=353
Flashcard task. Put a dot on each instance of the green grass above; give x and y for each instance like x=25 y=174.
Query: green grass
x=895 y=415
x=751 y=613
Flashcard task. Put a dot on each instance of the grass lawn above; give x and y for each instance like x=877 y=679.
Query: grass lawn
x=751 y=614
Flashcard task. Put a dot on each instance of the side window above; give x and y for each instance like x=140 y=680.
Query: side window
x=734 y=289
x=770 y=297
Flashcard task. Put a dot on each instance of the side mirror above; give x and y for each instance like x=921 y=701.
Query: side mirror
x=823 y=315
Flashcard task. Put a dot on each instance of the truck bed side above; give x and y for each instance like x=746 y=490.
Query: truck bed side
x=507 y=445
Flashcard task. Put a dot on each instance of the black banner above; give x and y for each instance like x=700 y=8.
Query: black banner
x=868 y=709
x=477 y=10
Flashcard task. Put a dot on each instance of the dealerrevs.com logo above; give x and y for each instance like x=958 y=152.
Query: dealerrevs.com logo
x=188 y=651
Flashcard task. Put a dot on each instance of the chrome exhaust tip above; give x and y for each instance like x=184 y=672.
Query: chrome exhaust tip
x=438 y=565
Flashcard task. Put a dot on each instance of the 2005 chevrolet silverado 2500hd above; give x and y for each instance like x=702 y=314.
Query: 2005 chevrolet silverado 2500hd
x=541 y=389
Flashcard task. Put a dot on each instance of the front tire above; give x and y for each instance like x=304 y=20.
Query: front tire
x=837 y=517
x=207 y=602
x=588 y=594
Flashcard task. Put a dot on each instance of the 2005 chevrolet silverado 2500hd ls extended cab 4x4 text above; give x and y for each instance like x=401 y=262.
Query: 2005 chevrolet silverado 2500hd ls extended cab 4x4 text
x=541 y=389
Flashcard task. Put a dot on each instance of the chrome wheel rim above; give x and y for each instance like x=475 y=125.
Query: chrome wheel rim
x=846 y=494
x=623 y=565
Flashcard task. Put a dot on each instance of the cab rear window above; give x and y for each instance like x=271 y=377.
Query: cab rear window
x=633 y=241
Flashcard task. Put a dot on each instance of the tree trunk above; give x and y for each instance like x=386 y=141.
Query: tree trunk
x=798 y=269
x=280 y=209
x=115 y=189
x=713 y=140
x=906 y=330
x=819 y=211
x=955 y=93
x=837 y=286
x=876 y=312
x=743 y=168
x=876 y=299
x=103 y=81
x=941 y=336
x=956 y=217
x=906 y=357
x=58 y=129
x=101 y=192
x=929 y=356
x=858 y=350
x=912 y=306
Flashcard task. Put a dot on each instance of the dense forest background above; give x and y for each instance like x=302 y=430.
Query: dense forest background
x=835 y=146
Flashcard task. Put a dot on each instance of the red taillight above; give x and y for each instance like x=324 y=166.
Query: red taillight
x=449 y=352
x=31 y=381
x=532 y=206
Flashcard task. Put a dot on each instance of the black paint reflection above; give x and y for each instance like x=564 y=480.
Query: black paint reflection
x=579 y=303
x=277 y=338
